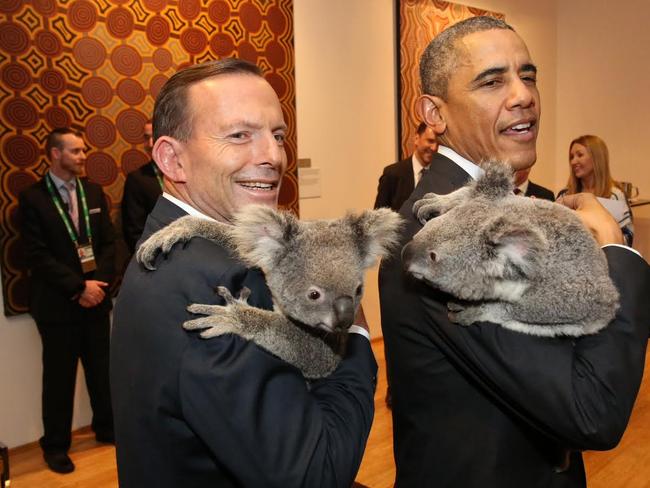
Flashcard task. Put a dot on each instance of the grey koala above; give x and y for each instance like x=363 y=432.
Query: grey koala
x=314 y=270
x=527 y=264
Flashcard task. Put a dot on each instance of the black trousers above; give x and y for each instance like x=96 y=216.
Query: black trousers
x=64 y=343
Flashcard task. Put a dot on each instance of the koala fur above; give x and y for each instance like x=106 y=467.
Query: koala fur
x=527 y=264
x=314 y=270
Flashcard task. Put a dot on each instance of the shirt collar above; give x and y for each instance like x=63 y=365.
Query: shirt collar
x=472 y=169
x=187 y=207
x=59 y=183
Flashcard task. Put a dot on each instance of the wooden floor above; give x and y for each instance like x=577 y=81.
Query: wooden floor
x=627 y=466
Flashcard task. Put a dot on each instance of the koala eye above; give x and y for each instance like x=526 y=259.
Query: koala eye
x=313 y=295
x=359 y=290
x=432 y=256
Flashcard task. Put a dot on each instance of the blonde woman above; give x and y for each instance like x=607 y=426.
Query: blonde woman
x=589 y=164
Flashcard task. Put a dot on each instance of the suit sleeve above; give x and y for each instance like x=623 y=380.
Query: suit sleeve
x=266 y=425
x=134 y=213
x=386 y=189
x=42 y=262
x=577 y=391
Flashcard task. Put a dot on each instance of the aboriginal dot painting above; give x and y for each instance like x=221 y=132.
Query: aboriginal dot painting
x=418 y=22
x=97 y=66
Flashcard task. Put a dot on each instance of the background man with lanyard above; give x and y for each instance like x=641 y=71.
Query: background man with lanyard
x=68 y=240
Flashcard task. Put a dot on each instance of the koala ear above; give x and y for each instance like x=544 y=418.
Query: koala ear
x=261 y=234
x=517 y=244
x=376 y=232
x=497 y=182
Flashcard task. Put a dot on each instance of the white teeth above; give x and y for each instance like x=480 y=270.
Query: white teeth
x=522 y=126
x=257 y=184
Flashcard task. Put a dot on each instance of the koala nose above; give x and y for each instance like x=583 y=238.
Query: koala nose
x=344 y=312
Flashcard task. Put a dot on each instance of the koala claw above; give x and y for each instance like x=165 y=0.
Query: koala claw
x=227 y=296
x=201 y=309
x=454 y=307
x=427 y=207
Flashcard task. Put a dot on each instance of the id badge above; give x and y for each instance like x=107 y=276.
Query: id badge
x=87 y=258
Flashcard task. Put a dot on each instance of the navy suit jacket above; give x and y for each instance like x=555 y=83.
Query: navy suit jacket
x=483 y=406
x=223 y=412
x=141 y=191
x=538 y=191
x=395 y=185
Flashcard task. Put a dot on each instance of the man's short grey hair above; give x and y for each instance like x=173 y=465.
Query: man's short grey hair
x=440 y=57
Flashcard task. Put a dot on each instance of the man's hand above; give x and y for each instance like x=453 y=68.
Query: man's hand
x=93 y=293
x=595 y=217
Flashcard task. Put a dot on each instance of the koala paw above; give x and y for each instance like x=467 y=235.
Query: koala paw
x=427 y=207
x=219 y=319
x=230 y=300
x=181 y=230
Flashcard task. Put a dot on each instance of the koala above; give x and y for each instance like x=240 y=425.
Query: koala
x=314 y=270
x=527 y=264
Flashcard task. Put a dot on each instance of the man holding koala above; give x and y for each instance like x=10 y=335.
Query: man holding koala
x=480 y=405
x=223 y=412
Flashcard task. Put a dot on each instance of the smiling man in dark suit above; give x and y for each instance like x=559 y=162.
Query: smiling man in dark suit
x=483 y=406
x=398 y=179
x=223 y=412
x=69 y=247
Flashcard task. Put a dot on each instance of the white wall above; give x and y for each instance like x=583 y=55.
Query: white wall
x=20 y=383
x=604 y=84
x=346 y=99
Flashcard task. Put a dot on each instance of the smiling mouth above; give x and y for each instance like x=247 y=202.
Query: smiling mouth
x=521 y=128
x=258 y=185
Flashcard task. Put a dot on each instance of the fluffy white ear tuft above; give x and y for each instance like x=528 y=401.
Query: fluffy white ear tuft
x=520 y=246
x=377 y=231
x=261 y=234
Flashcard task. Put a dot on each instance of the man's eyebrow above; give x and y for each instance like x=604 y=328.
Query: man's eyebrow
x=498 y=70
x=528 y=67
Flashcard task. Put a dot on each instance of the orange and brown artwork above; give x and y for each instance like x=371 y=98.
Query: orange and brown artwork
x=419 y=21
x=97 y=66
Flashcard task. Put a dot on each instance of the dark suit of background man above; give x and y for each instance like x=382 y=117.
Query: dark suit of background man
x=484 y=406
x=142 y=188
x=222 y=412
x=398 y=179
x=70 y=269
x=525 y=187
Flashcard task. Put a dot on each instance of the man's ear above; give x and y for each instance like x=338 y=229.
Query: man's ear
x=427 y=108
x=167 y=153
x=55 y=153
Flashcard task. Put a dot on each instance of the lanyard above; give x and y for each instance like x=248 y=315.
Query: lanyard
x=156 y=171
x=56 y=198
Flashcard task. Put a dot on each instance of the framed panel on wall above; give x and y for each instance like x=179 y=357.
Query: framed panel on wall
x=419 y=21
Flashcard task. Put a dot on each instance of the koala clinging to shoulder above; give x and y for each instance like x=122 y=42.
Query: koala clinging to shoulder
x=527 y=264
x=314 y=270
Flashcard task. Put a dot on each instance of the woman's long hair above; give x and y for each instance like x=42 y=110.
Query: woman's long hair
x=603 y=181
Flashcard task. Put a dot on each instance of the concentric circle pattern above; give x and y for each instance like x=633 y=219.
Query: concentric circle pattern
x=15 y=76
x=97 y=92
x=48 y=43
x=53 y=81
x=89 y=53
x=82 y=15
x=101 y=168
x=120 y=22
x=126 y=60
x=21 y=150
x=98 y=65
x=131 y=91
x=100 y=131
